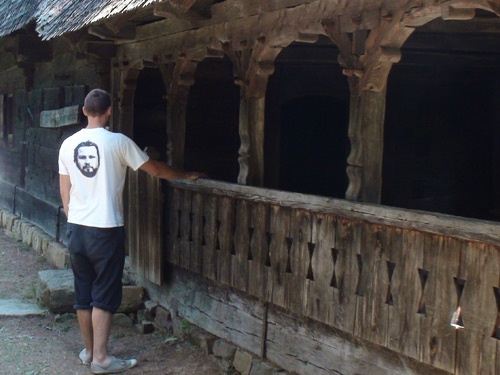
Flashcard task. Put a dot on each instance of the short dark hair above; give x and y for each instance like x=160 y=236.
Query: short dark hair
x=97 y=102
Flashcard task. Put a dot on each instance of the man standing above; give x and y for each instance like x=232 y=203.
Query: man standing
x=92 y=170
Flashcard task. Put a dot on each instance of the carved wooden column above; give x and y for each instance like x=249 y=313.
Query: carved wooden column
x=181 y=78
x=125 y=100
x=367 y=58
x=252 y=68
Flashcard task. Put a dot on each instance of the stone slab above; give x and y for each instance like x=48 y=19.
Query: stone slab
x=18 y=307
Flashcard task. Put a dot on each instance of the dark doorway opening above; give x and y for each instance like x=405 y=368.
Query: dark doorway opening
x=212 y=135
x=313 y=157
x=441 y=129
x=150 y=113
x=307 y=118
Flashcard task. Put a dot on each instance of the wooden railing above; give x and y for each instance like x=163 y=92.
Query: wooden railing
x=390 y=276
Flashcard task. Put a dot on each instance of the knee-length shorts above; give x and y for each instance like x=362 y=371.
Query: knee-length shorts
x=97 y=259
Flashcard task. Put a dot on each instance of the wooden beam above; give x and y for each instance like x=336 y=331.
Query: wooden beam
x=126 y=33
x=103 y=50
x=181 y=9
x=60 y=117
x=441 y=224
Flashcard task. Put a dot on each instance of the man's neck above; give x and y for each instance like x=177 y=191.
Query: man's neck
x=97 y=122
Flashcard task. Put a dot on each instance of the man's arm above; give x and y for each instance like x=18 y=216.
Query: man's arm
x=64 y=189
x=161 y=170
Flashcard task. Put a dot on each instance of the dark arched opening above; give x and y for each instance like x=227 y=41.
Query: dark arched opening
x=150 y=113
x=307 y=117
x=212 y=136
x=441 y=132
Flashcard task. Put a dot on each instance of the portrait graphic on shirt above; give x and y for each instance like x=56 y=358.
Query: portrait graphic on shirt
x=87 y=158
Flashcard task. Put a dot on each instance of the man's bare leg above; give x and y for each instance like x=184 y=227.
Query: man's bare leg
x=86 y=329
x=101 y=322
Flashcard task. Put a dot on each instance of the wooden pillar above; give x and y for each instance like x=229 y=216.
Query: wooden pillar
x=368 y=49
x=366 y=132
x=128 y=84
x=251 y=128
x=181 y=80
x=252 y=68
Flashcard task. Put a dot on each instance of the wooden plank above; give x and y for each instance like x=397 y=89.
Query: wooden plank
x=476 y=348
x=279 y=266
x=303 y=346
x=404 y=327
x=7 y=194
x=170 y=225
x=437 y=337
x=224 y=238
x=154 y=263
x=53 y=98
x=184 y=229
x=319 y=294
x=175 y=226
x=60 y=117
x=239 y=267
x=447 y=225
x=372 y=317
x=346 y=275
x=195 y=235
x=209 y=225
x=131 y=222
x=259 y=226
x=37 y=210
x=300 y=230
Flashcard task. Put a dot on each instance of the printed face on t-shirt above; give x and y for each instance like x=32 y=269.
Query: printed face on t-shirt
x=87 y=158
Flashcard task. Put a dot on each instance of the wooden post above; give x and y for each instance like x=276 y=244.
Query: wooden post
x=252 y=68
x=180 y=83
x=367 y=59
x=251 y=151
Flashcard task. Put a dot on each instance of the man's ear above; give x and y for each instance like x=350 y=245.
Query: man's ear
x=85 y=112
x=108 y=112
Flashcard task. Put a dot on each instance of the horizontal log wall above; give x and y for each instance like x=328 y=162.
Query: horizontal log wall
x=391 y=277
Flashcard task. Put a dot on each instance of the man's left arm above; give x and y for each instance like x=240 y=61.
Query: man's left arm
x=64 y=189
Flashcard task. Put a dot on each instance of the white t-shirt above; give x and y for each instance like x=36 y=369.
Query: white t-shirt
x=96 y=161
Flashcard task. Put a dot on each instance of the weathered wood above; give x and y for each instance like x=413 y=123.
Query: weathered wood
x=102 y=50
x=241 y=245
x=37 y=210
x=60 y=117
x=476 y=348
x=195 y=234
x=144 y=225
x=292 y=345
x=468 y=229
x=7 y=194
x=404 y=328
x=224 y=239
x=372 y=317
x=184 y=229
x=300 y=230
x=319 y=295
x=279 y=262
x=258 y=251
x=251 y=151
x=209 y=225
x=437 y=337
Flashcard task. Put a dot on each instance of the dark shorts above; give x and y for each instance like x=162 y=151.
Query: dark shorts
x=97 y=259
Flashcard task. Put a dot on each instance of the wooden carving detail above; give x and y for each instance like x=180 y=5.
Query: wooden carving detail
x=178 y=78
x=252 y=68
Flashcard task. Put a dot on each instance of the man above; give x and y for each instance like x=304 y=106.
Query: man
x=92 y=170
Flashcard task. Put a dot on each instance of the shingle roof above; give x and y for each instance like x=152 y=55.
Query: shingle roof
x=56 y=17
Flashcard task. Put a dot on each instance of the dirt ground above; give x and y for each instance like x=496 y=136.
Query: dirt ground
x=50 y=344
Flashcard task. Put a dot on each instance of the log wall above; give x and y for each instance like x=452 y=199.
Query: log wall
x=388 y=277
